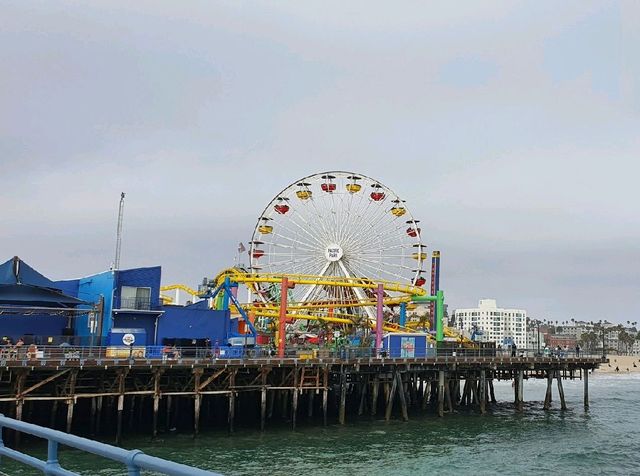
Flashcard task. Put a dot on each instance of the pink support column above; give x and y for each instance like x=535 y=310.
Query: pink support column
x=379 y=317
x=284 y=288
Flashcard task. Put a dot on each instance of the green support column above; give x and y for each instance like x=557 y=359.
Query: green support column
x=439 y=316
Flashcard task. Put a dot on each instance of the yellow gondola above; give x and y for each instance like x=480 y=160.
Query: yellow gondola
x=398 y=211
x=303 y=194
x=353 y=187
x=265 y=229
x=420 y=256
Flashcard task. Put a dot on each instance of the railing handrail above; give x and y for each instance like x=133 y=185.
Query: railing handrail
x=135 y=460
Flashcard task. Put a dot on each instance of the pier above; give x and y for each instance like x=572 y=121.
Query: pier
x=103 y=396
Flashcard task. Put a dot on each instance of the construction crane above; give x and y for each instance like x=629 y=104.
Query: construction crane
x=116 y=261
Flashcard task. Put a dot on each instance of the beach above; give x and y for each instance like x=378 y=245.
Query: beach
x=624 y=363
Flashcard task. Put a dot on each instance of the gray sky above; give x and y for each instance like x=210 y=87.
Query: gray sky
x=511 y=128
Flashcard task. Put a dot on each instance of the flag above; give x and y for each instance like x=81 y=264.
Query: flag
x=241 y=248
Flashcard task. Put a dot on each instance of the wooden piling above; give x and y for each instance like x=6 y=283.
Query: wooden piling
x=310 y=398
x=197 y=400
x=563 y=404
x=585 y=377
x=263 y=406
x=374 y=394
x=294 y=400
x=325 y=395
x=343 y=396
x=98 y=413
x=483 y=392
x=92 y=417
x=53 y=418
x=520 y=404
x=168 y=413
x=156 y=402
x=402 y=395
x=363 y=394
x=392 y=394
x=491 y=391
x=425 y=394
x=547 y=396
x=441 y=393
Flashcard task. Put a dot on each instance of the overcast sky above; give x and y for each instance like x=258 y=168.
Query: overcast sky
x=511 y=128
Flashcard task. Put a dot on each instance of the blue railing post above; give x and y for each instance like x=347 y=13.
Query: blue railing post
x=132 y=468
x=52 y=457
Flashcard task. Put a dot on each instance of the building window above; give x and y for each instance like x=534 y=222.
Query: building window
x=135 y=298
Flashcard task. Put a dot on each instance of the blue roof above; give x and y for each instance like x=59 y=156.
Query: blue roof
x=22 y=285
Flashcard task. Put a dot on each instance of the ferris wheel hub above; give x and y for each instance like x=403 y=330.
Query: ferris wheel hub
x=333 y=252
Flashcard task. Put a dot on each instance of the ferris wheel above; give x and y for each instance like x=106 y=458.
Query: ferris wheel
x=337 y=224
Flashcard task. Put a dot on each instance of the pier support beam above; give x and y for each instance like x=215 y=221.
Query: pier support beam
x=392 y=395
x=98 y=413
x=563 y=404
x=343 y=396
x=585 y=377
x=197 y=400
x=441 y=393
x=547 y=396
x=520 y=385
x=156 y=401
x=325 y=395
x=232 y=400
x=483 y=392
x=491 y=391
x=401 y=394
x=121 y=387
x=294 y=400
x=374 y=395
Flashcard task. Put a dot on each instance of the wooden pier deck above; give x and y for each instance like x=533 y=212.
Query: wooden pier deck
x=99 y=392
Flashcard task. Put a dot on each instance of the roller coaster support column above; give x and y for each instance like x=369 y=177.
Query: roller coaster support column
x=284 y=292
x=379 y=317
x=403 y=314
x=225 y=295
x=439 y=316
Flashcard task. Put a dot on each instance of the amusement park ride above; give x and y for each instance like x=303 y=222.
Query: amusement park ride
x=333 y=256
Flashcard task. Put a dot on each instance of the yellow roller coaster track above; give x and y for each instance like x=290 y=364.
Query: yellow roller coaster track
x=239 y=276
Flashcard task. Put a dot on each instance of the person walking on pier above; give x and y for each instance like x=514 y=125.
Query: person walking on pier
x=514 y=349
x=577 y=351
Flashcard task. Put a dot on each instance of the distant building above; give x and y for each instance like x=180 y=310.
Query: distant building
x=496 y=323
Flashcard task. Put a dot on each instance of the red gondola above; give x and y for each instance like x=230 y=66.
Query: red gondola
x=281 y=208
x=257 y=254
x=420 y=281
x=378 y=193
x=413 y=229
x=328 y=185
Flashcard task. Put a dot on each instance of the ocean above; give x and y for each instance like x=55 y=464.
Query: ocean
x=603 y=440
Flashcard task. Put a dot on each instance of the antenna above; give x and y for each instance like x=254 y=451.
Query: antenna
x=116 y=262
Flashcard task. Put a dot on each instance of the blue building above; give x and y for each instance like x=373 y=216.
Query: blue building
x=34 y=308
x=98 y=310
x=127 y=298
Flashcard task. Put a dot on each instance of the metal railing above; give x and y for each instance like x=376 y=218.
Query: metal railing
x=141 y=304
x=33 y=355
x=134 y=460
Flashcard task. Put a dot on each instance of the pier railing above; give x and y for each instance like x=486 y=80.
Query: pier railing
x=123 y=355
x=134 y=460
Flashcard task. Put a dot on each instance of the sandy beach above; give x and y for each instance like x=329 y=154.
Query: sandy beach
x=624 y=363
